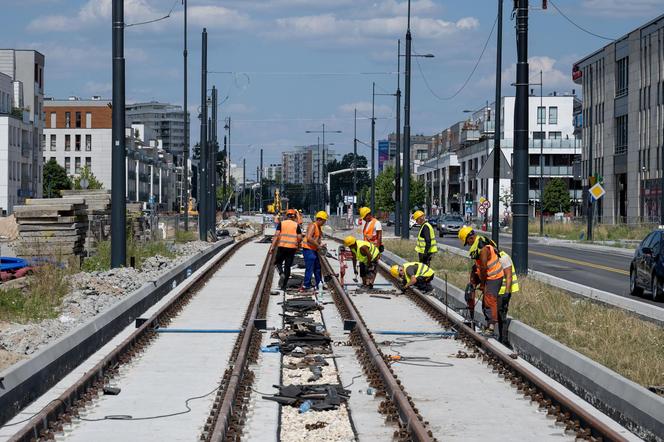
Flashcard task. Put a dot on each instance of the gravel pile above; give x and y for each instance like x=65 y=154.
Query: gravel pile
x=91 y=294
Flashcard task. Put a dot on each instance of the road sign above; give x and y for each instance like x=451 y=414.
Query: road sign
x=597 y=191
x=486 y=172
x=482 y=209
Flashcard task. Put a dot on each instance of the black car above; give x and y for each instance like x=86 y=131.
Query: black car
x=450 y=225
x=647 y=268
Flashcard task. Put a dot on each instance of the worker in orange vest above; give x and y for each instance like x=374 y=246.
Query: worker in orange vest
x=373 y=229
x=287 y=241
x=312 y=245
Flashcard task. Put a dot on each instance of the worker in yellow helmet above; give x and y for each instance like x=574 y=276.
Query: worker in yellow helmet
x=313 y=243
x=426 y=239
x=414 y=273
x=368 y=256
x=373 y=229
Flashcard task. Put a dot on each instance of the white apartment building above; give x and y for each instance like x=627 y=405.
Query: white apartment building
x=304 y=164
x=21 y=124
x=272 y=172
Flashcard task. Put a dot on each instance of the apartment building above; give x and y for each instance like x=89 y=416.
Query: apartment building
x=272 y=172
x=623 y=123
x=21 y=125
x=165 y=120
x=304 y=164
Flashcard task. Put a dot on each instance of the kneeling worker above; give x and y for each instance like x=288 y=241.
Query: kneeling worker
x=367 y=255
x=287 y=240
x=414 y=273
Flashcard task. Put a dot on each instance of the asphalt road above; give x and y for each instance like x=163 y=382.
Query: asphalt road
x=603 y=270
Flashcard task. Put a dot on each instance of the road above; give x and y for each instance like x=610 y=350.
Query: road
x=603 y=270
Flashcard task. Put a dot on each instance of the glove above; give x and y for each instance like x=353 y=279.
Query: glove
x=381 y=248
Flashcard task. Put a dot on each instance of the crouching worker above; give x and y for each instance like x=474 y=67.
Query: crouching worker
x=414 y=273
x=510 y=286
x=367 y=255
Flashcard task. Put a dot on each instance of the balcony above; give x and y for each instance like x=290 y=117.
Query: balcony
x=469 y=136
x=552 y=171
x=487 y=127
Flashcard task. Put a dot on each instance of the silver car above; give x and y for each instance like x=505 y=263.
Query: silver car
x=449 y=225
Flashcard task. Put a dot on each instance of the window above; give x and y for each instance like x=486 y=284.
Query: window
x=621 y=135
x=78 y=119
x=553 y=115
x=88 y=163
x=67 y=142
x=538 y=135
x=555 y=135
x=67 y=120
x=53 y=120
x=88 y=142
x=541 y=115
x=622 y=77
x=77 y=165
x=52 y=141
x=77 y=145
x=67 y=164
x=88 y=120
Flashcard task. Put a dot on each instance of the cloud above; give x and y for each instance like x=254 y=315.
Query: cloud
x=216 y=17
x=621 y=9
x=364 y=108
x=238 y=108
x=553 y=77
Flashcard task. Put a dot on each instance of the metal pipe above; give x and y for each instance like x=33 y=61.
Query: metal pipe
x=118 y=158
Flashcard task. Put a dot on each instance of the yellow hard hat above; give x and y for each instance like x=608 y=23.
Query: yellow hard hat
x=394 y=271
x=322 y=215
x=364 y=211
x=349 y=241
x=417 y=215
x=463 y=234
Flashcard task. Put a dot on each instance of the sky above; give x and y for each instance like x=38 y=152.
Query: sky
x=283 y=67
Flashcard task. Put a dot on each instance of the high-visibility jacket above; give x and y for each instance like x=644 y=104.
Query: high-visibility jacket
x=370 y=233
x=288 y=234
x=494 y=268
x=422 y=244
x=373 y=251
x=315 y=235
x=515 y=280
x=422 y=270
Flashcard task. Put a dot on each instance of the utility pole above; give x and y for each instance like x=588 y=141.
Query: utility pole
x=257 y=180
x=497 y=154
x=318 y=180
x=226 y=166
x=203 y=185
x=373 y=148
x=118 y=183
x=591 y=202
x=541 y=161
x=261 y=183
x=397 y=160
x=185 y=171
x=213 y=164
x=405 y=208
x=520 y=204
x=355 y=161
x=228 y=158
x=244 y=182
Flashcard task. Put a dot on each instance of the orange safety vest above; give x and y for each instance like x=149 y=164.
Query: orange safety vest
x=288 y=234
x=299 y=217
x=370 y=231
x=494 y=268
x=315 y=236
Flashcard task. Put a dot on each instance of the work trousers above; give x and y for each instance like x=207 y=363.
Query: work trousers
x=503 y=322
x=424 y=283
x=425 y=258
x=284 y=261
x=490 y=300
x=312 y=267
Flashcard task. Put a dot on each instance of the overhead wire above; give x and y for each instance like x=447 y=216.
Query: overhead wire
x=155 y=20
x=579 y=26
x=472 y=72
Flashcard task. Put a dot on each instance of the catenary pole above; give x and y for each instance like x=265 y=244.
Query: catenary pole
x=185 y=172
x=405 y=207
x=520 y=204
x=541 y=159
x=355 y=161
x=261 y=183
x=495 y=214
x=118 y=183
x=591 y=205
x=373 y=148
x=213 y=163
x=397 y=159
x=203 y=164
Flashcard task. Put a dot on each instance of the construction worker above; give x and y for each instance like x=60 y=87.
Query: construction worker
x=367 y=255
x=414 y=273
x=373 y=229
x=426 y=239
x=487 y=272
x=287 y=241
x=310 y=247
x=299 y=217
x=510 y=286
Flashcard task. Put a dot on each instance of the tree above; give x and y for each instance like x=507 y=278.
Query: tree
x=556 y=196
x=93 y=182
x=385 y=191
x=343 y=183
x=55 y=179
x=418 y=193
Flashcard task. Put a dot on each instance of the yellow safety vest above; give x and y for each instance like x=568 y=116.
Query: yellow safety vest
x=373 y=250
x=422 y=270
x=515 y=280
x=421 y=243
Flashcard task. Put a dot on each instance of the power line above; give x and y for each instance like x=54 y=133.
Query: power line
x=465 y=83
x=155 y=20
x=579 y=26
x=298 y=74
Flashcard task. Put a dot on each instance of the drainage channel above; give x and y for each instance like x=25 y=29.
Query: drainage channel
x=151 y=381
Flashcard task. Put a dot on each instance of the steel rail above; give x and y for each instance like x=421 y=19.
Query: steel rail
x=597 y=426
x=82 y=391
x=226 y=409
x=408 y=415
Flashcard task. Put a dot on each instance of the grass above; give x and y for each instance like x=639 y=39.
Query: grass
x=601 y=232
x=41 y=298
x=101 y=260
x=182 y=236
x=612 y=337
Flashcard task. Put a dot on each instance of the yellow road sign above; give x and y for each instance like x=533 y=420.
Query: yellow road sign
x=597 y=191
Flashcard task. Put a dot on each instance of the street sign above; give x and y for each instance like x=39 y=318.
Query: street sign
x=486 y=172
x=597 y=191
x=482 y=209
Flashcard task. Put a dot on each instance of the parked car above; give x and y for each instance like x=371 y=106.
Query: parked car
x=390 y=220
x=449 y=225
x=646 y=271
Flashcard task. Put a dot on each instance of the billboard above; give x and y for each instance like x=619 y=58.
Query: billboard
x=383 y=153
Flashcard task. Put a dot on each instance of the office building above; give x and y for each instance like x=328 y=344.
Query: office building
x=166 y=121
x=305 y=164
